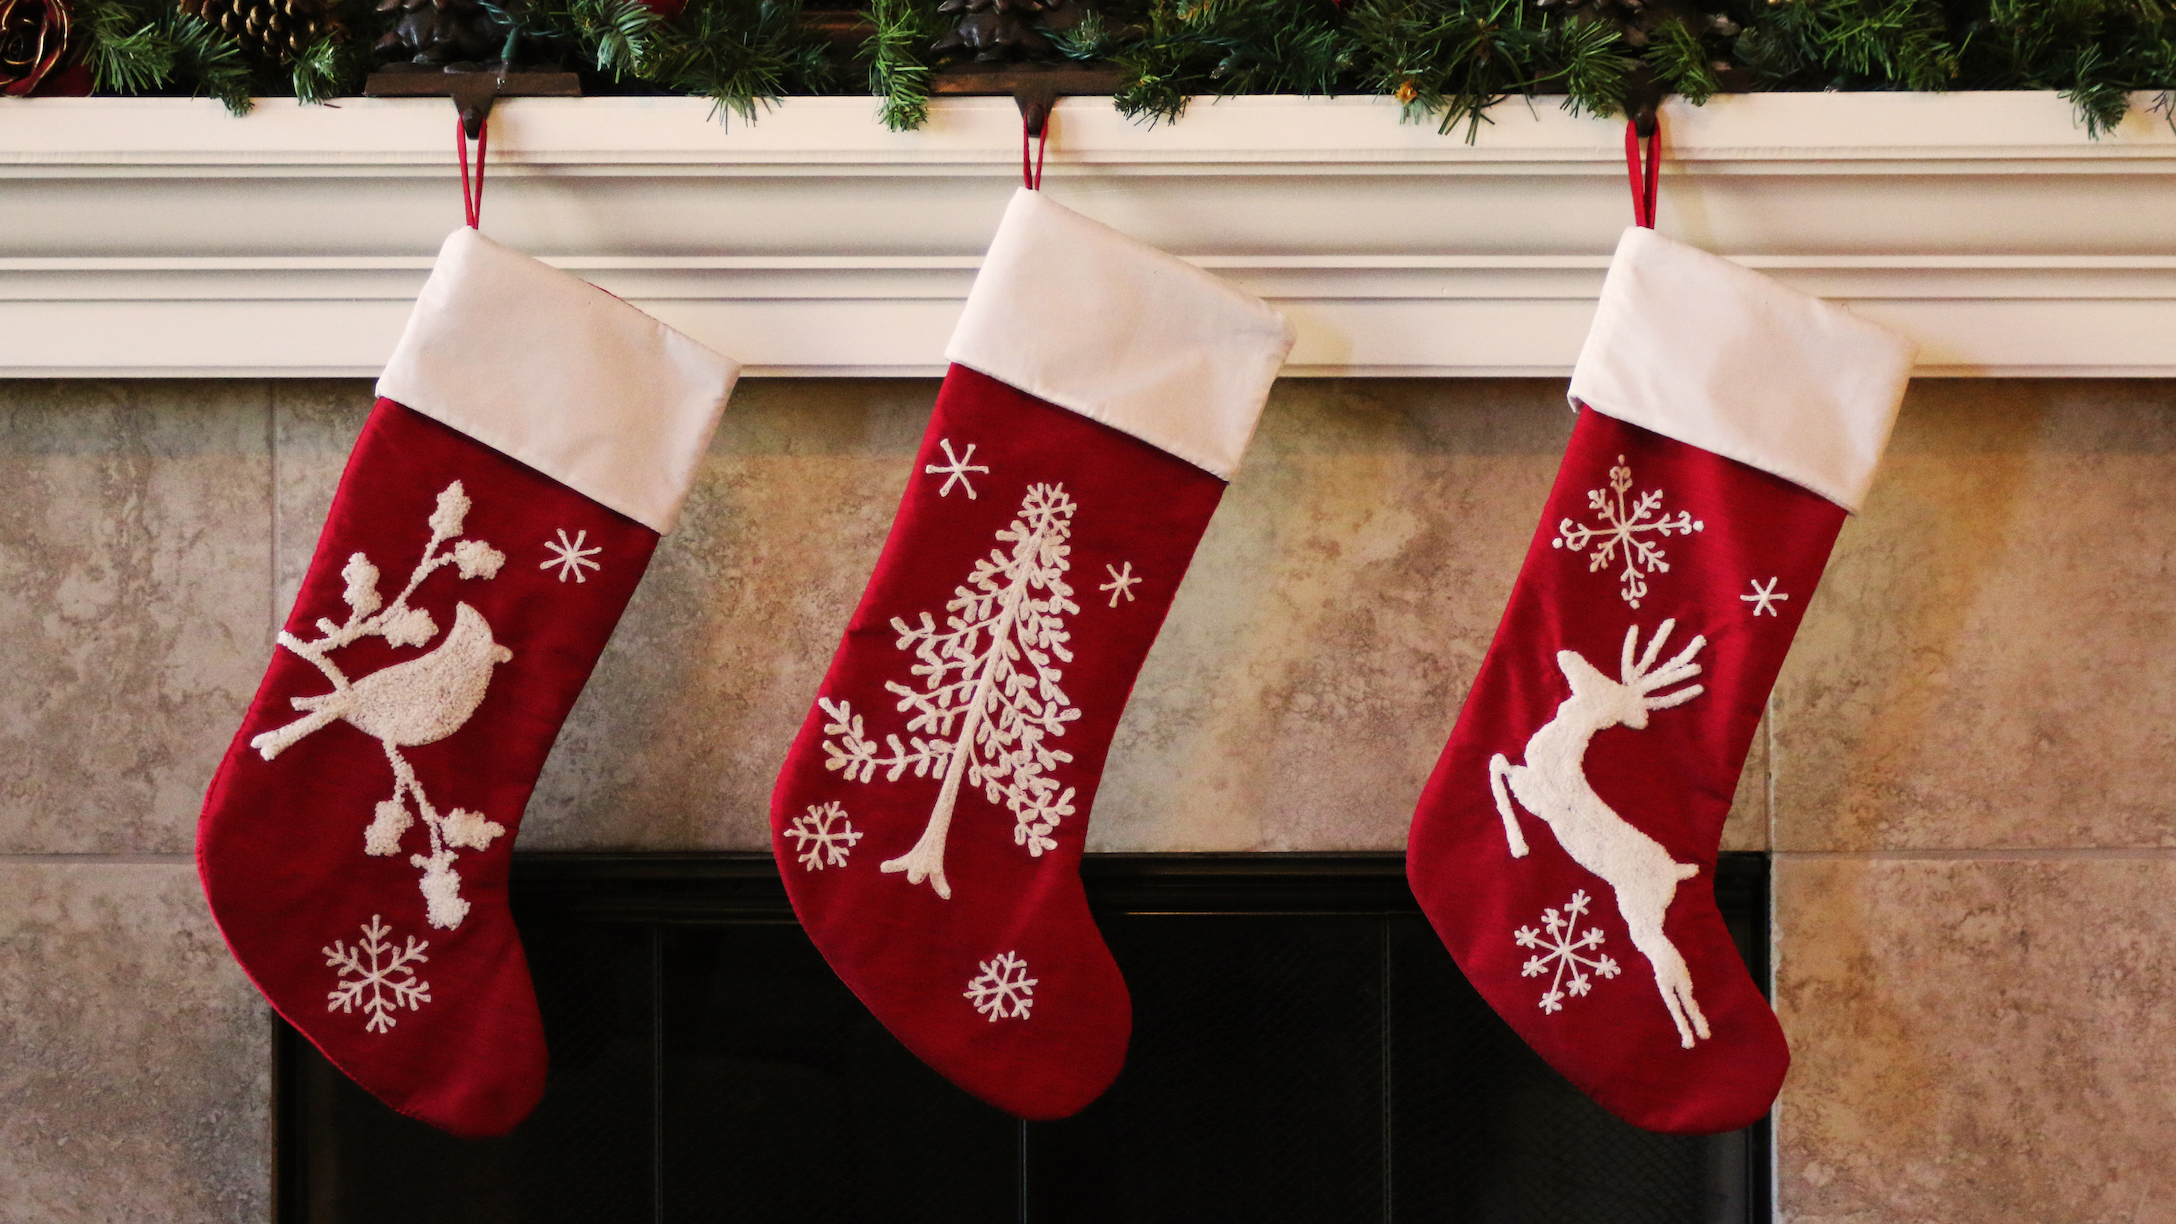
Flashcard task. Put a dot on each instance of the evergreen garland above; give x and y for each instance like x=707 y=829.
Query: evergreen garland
x=1446 y=61
x=740 y=54
x=149 y=46
x=1456 y=58
x=1227 y=47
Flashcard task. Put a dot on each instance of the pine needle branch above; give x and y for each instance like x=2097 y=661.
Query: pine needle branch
x=332 y=67
x=210 y=60
x=741 y=54
x=898 y=60
x=1229 y=47
x=130 y=50
x=1681 y=62
x=611 y=35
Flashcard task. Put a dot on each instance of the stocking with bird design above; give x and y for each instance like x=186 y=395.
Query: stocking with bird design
x=930 y=817
x=1565 y=846
x=532 y=438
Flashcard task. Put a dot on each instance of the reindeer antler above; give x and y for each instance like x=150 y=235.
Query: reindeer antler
x=1640 y=680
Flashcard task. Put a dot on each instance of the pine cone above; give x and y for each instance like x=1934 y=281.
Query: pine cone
x=33 y=39
x=277 y=30
x=443 y=31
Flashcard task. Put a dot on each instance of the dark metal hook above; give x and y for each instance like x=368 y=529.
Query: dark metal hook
x=473 y=87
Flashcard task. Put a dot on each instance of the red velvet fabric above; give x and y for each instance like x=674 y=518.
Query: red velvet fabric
x=1672 y=780
x=281 y=844
x=908 y=953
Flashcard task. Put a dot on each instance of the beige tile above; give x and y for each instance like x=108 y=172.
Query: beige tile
x=1988 y=662
x=1976 y=1040
x=314 y=425
x=135 y=1060
x=134 y=592
x=1747 y=826
x=679 y=736
x=1317 y=655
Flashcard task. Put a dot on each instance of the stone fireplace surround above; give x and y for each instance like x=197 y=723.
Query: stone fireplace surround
x=1965 y=774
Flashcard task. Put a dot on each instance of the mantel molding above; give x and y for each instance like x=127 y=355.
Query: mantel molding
x=160 y=237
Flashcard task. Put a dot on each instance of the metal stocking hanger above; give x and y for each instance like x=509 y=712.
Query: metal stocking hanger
x=473 y=87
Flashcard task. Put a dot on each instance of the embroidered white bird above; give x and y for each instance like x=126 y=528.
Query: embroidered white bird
x=420 y=701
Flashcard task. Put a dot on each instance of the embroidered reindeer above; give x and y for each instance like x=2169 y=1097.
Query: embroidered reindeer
x=1552 y=784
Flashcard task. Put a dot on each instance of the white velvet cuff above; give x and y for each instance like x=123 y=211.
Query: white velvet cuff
x=1697 y=348
x=551 y=370
x=1076 y=313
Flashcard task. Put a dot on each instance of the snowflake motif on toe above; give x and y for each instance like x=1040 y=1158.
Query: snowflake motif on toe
x=1621 y=528
x=990 y=701
x=1003 y=990
x=1764 y=598
x=961 y=465
x=1560 y=946
x=823 y=837
x=377 y=975
x=416 y=701
x=569 y=557
x=1122 y=583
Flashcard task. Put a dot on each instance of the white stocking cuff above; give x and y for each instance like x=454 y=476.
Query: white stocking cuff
x=548 y=369
x=1072 y=311
x=1697 y=348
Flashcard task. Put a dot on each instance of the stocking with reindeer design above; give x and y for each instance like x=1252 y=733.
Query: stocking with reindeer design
x=1565 y=846
x=930 y=816
x=532 y=438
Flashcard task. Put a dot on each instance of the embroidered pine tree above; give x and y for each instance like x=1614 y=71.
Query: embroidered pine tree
x=416 y=701
x=990 y=700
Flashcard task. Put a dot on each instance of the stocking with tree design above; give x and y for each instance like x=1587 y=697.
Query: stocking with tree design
x=930 y=817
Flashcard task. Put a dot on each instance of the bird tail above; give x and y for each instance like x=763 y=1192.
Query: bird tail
x=272 y=743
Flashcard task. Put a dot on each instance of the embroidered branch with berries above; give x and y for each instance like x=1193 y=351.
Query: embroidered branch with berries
x=417 y=701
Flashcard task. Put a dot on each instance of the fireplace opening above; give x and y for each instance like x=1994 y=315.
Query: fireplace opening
x=1303 y=1050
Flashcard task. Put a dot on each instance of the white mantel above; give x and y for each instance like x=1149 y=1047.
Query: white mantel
x=162 y=237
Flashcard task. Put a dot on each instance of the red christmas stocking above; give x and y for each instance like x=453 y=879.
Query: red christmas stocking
x=533 y=437
x=1565 y=846
x=929 y=819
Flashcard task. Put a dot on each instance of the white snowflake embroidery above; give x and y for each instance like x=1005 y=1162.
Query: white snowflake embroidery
x=384 y=977
x=1561 y=947
x=1121 y=583
x=823 y=836
x=1003 y=990
x=1764 y=598
x=1621 y=527
x=416 y=701
x=991 y=697
x=570 y=557
x=961 y=465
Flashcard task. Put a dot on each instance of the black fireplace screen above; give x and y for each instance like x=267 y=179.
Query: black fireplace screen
x=1303 y=1050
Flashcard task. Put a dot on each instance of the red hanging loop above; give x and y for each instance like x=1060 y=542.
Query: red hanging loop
x=1644 y=172
x=1032 y=176
x=472 y=201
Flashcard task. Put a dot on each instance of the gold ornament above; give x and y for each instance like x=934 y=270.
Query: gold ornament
x=33 y=40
